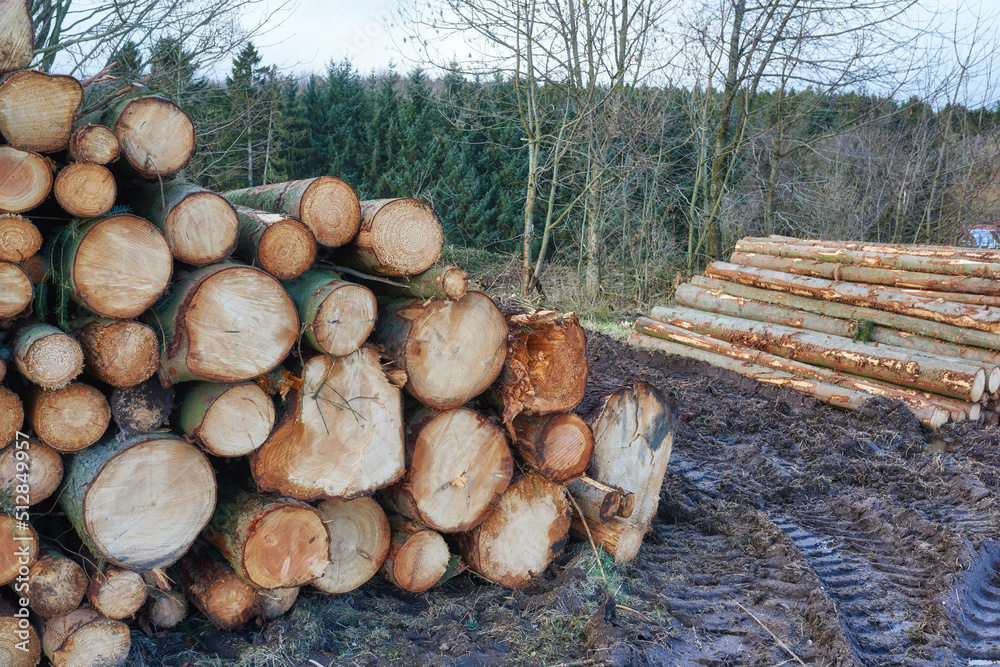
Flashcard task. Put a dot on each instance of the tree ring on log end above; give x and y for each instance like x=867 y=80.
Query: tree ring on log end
x=226 y=431
x=330 y=208
x=17 y=290
x=421 y=562
x=287 y=249
x=25 y=180
x=53 y=361
x=406 y=236
x=158 y=123
x=345 y=319
x=287 y=546
x=359 y=542
x=85 y=190
x=201 y=228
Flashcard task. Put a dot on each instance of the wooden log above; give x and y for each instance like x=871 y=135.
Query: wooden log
x=33 y=463
x=19 y=238
x=526 y=532
x=25 y=179
x=359 y=543
x=225 y=323
x=18 y=545
x=451 y=351
x=95 y=144
x=341 y=435
x=941 y=375
x=947 y=332
x=17 y=36
x=200 y=226
x=20 y=645
x=70 y=418
x=85 y=190
x=338 y=315
x=47 y=356
x=864 y=274
x=618 y=537
x=442 y=282
x=121 y=353
x=633 y=435
x=166 y=609
x=84 y=638
x=556 y=446
x=35 y=268
x=598 y=502
x=546 y=367
x=226 y=419
x=156 y=136
x=418 y=557
x=15 y=290
x=140 y=501
x=326 y=205
x=944 y=252
x=37 y=110
x=458 y=465
x=116 y=266
x=282 y=246
x=959 y=410
x=142 y=408
x=115 y=592
x=11 y=415
x=55 y=585
x=275 y=602
x=217 y=591
x=397 y=237
x=840 y=397
x=958 y=297
x=269 y=542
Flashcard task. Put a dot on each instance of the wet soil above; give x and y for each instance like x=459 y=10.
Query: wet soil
x=788 y=533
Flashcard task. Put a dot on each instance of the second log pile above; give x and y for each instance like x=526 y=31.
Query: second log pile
x=847 y=321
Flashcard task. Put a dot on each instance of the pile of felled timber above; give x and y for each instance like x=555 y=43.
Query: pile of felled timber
x=847 y=321
x=225 y=397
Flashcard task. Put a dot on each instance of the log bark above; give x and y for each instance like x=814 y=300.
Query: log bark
x=166 y=609
x=17 y=36
x=225 y=323
x=217 y=591
x=20 y=645
x=840 y=397
x=397 y=237
x=121 y=353
x=11 y=415
x=95 y=144
x=142 y=408
x=526 y=532
x=200 y=226
x=276 y=602
x=15 y=290
x=68 y=419
x=19 y=238
x=618 y=537
x=226 y=419
x=116 y=266
x=633 y=435
x=25 y=179
x=37 y=110
x=35 y=268
x=359 y=543
x=115 y=592
x=156 y=136
x=451 y=351
x=443 y=282
x=326 y=205
x=944 y=252
x=18 y=546
x=418 y=557
x=83 y=638
x=557 y=446
x=921 y=401
x=44 y=470
x=458 y=465
x=338 y=315
x=955 y=314
x=46 y=356
x=282 y=246
x=599 y=502
x=946 y=332
x=940 y=375
x=958 y=297
x=56 y=584
x=864 y=274
x=341 y=435
x=139 y=502
x=85 y=190
x=546 y=368
x=269 y=542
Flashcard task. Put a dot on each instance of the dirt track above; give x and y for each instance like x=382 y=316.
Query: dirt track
x=856 y=539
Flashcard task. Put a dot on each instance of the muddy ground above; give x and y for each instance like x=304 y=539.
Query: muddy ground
x=788 y=533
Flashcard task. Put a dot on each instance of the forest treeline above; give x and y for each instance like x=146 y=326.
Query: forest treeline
x=621 y=192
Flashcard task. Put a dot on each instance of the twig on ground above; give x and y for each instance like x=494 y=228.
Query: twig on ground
x=773 y=636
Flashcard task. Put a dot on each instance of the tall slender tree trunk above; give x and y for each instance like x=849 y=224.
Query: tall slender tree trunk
x=249 y=148
x=592 y=262
x=529 y=215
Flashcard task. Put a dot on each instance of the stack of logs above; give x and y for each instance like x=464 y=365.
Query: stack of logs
x=847 y=321
x=226 y=397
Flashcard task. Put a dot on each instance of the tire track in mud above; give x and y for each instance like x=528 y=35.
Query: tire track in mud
x=974 y=608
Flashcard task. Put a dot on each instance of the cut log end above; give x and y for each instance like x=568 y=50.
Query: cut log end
x=156 y=136
x=218 y=592
x=25 y=180
x=85 y=190
x=45 y=469
x=286 y=249
x=288 y=547
x=359 y=543
x=51 y=361
x=13 y=536
x=15 y=290
x=83 y=638
x=276 y=602
x=166 y=609
x=15 y=651
x=417 y=558
x=56 y=586
x=95 y=144
x=618 y=537
x=201 y=228
x=235 y=423
x=557 y=446
x=142 y=408
x=68 y=419
x=11 y=415
x=19 y=238
x=403 y=236
x=344 y=319
x=330 y=208
x=37 y=110
x=116 y=593
x=121 y=353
